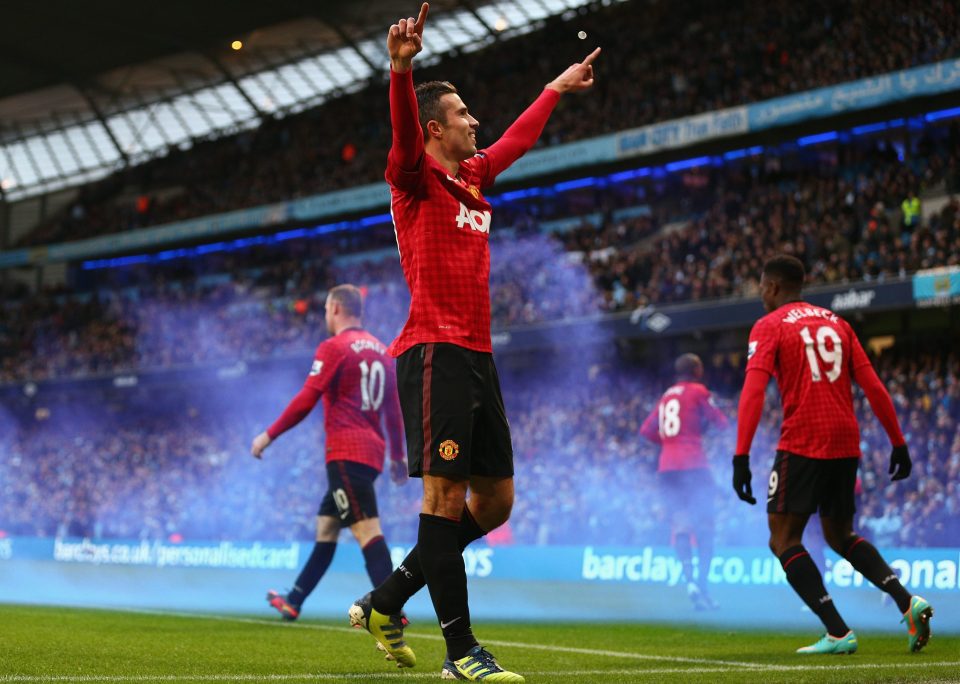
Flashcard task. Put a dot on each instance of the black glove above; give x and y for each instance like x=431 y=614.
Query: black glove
x=742 y=477
x=900 y=463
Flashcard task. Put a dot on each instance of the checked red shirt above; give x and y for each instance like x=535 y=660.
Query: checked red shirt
x=677 y=424
x=443 y=223
x=358 y=382
x=813 y=354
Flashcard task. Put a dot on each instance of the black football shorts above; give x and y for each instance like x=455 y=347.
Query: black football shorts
x=453 y=412
x=803 y=485
x=350 y=496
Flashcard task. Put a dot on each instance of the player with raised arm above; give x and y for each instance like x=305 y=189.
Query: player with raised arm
x=815 y=355
x=458 y=438
x=357 y=380
x=677 y=424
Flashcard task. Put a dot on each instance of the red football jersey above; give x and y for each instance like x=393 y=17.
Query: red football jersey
x=677 y=425
x=443 y=222
x=813 y=354
x=358 y=383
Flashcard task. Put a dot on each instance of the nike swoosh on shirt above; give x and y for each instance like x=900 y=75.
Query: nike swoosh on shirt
x=444 y=625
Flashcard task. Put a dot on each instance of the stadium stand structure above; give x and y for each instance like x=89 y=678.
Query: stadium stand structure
x=103 y=434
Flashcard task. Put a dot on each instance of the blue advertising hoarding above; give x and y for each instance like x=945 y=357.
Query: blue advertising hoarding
x=591 y=583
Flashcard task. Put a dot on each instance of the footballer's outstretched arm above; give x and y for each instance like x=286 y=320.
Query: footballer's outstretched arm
x=523 y=133
x=650 y=429
x=393 y=419
x=404 y=41
x=298 y=409
x=877 y=394
x=880 y=402
x=750 y=408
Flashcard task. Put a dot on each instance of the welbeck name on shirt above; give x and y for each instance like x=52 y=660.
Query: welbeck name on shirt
x=809 y=312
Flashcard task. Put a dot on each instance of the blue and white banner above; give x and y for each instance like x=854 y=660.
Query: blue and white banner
x=570 y=583
x=932 y=569
x=682 y=132
x=937 y=287
x=932 y=79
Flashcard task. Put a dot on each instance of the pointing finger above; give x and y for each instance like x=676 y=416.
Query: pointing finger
x=421 y=20
x=592 y=56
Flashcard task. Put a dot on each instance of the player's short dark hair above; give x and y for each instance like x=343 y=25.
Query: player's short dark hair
x=787 y=269
x=686 y=365
x=350 y=298
x=428 y=101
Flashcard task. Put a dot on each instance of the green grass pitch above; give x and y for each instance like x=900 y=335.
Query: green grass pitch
x=77 y=645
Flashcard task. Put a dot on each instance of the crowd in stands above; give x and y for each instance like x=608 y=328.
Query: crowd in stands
x=660 y=61
x=704 y=234
x=161 y=463
x=155 y=462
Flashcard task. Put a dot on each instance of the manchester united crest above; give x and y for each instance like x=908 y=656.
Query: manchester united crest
x=449 y=450
x=474 y=190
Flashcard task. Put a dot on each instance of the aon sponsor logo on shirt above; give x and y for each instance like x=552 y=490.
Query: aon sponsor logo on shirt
x=474 y=219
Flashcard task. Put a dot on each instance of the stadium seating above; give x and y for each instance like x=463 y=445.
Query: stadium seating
x=138 y=463
x=704 y=236
x=677 y=60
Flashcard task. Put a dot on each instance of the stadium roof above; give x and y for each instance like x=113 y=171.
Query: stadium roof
x=88 y=88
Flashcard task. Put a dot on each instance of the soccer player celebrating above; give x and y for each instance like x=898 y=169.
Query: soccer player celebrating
x=686 y=485
x=458 y=438
x=814 y=354
x=356 y=378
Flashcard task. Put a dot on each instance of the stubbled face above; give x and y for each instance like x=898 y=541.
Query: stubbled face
x=459 y=132
x=330 y=304
x=769 y=290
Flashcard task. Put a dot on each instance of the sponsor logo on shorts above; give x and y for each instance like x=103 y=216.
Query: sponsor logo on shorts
x=449 y=450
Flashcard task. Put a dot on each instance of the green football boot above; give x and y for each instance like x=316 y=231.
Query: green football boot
x=918 y=623
x=386 y=629
x=830 y=645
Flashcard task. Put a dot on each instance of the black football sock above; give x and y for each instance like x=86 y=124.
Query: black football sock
x=866 y=560
x=704 y=555
x=377 y=558
x=806 y=580
x=681 y=544
x=390 y=596
x=442 y=563
x=312 y=572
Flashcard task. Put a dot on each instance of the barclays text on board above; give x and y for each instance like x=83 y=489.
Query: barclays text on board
x=935 y=569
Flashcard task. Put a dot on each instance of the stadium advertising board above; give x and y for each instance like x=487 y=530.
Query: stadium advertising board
x=867 y=93
x=681 y=319
x=937 y=287
x=158 y=554
x=682 y=132
x=928 y=570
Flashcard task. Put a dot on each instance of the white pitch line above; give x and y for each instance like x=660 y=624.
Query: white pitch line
x=321 y=676
x=493 y=642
